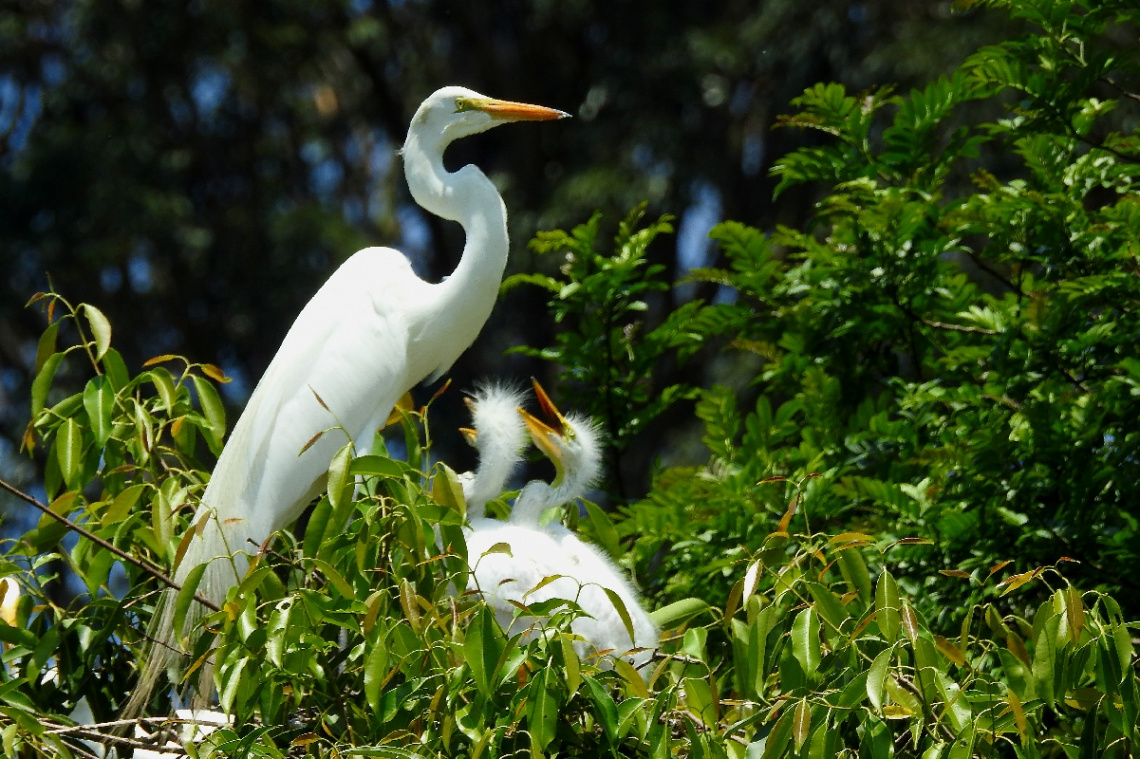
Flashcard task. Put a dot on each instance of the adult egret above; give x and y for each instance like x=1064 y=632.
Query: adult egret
x=371 y=332
x=537 y=552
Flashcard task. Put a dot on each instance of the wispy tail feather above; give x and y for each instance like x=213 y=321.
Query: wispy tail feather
x=225 y=555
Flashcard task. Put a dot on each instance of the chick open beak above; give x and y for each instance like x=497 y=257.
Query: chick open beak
x=546 y=434
x=505 y=110
x=469 y=435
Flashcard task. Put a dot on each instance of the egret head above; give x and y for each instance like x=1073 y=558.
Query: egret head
x=455 y=112
x=571 y=442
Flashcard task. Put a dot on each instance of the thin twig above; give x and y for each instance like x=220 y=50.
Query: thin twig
x=144 y=566
x=957 y=327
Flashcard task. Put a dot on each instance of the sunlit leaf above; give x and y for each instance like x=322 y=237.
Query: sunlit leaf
x=805 y=640
x=887 y=608
x=100 y=329
x=801 y=723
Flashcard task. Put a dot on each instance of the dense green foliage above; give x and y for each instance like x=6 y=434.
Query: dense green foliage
x=960 y=367
x=914 y=533
x=350 y=639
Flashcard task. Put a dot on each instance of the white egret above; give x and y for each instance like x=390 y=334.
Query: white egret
x=537 y=552
x=371 y=332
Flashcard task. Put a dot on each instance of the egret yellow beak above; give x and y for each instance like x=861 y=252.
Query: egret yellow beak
x=469 y=435
x=505 y=110
x=547 y=434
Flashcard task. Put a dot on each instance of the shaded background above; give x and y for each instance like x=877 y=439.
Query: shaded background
x=196 y=170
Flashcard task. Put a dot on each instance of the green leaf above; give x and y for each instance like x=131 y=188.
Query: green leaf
x=340 y=482
x=212 y=410
x=46 y=347
x=276 y=633
x=334 y=577
x=887 y=609
x=374 y=464
x=854 y=571
x=317 y=528
x=482 y=648
x=805 y=640
x=122 y=505
x=164 y=385
x=99 y=403
x=604 y=531
x=830 y=609
x=801 y=723
x=619 y=606
x=375 y=672
x=699 y=700
x=678 y=612
x=100 y=329
x=185 y=597
x=605 y=709
x=1045 y=659
x=42 y=383
x=69 y=453
x=877 y=677
x=779 y=738
x=115 y=370
x=543 y=706
x=571 y=665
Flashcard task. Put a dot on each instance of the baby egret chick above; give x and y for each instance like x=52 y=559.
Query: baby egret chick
x=538 y=552
x=572 y=445
x=498 y=434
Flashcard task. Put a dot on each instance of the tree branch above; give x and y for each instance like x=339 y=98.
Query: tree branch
x=144 y=566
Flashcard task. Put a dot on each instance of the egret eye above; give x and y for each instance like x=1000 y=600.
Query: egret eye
x=464 y=104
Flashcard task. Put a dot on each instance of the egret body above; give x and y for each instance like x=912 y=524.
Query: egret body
x=372 y=332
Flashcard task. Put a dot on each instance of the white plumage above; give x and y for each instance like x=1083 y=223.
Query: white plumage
x=371 y=332
x=541 y=551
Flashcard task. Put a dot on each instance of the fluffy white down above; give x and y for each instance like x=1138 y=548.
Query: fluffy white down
x=540 y=552
x=500 y=437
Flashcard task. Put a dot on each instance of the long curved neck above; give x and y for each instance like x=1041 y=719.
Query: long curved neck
x=464 y=300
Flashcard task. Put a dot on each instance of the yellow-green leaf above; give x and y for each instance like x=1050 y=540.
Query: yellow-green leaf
x=1074 y=612
x=375 y=672
x=212 y=410
x=877 y=677
x=69 y=453
x=619 y=606
x=950 y=651
x=122 y=505
x=801 y=723
x=185 y=597
x=42 y=383
x=98 y=402
x=100 y=329
x=604 y=531
x=887 y=609
x=334 y=577
x=678 y=612
x=751 y=577
x=340 y=483
x=805 y=640
x=1018 y=714
x=1014 y=582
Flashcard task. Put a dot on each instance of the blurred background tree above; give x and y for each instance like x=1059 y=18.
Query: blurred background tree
x=198 y=169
